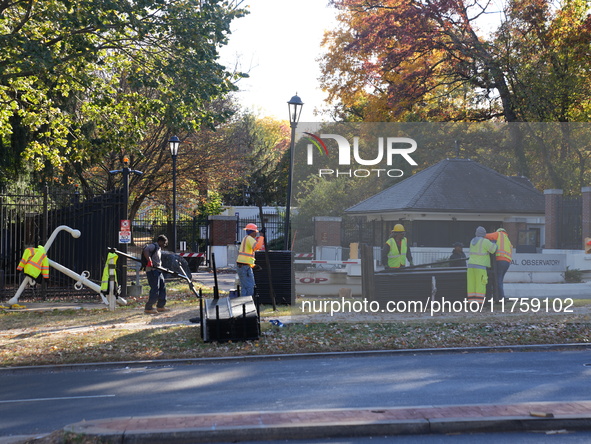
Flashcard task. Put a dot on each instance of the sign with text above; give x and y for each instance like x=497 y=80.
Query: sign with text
x=124 y=237
x=538 y=262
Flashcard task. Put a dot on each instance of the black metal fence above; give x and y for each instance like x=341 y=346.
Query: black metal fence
x=273 y=226
x=357 y=229
x=571 y=223
x=28 y=220
x=192 y=231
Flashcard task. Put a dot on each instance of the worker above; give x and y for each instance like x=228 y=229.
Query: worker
x=152 y=257
x=246 y=260
x=502 y=256
x=478 y=263
x=396 y=253
x=458 y=257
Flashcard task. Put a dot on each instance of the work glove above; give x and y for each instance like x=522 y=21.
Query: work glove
x=257 y=268
x=149 y=264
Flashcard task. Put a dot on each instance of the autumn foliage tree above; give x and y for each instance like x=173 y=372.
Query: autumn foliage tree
x=454 y=60
x=262 y=144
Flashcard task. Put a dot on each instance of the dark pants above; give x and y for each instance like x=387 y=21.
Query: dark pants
x=247 y=283
x=157 y=289
x=502 y=267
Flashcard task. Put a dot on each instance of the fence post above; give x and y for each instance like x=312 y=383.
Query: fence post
x=45 y=234
x=586 y=213
x=367 y=271
x=553 y=200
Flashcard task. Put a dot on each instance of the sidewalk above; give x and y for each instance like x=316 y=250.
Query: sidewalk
x=334 y=423
x=529 y=290
x=226 y=279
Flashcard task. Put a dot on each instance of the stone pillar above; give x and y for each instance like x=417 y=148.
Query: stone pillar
x=327 y=231
x=553 y=206
x=586 y=213
x=512 y=229
x=222 y=230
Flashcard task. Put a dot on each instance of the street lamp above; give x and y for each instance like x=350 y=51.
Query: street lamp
x=174 y=143
x=126 y=171
x=295 y=106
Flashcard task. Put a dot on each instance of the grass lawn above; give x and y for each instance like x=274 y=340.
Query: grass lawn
x=63 y=333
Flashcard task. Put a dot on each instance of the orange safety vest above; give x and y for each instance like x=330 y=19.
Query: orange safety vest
x=34 y=262
x=248 y=246
x=504 y=247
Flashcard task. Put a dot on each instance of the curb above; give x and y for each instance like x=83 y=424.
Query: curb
x=321 y=355
x=322 y=430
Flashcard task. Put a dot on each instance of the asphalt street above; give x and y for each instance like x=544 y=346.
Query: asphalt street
x=35 y=401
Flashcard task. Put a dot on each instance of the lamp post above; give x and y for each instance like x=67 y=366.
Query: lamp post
x=126 y=171
x=295 y=106
x=174 y=143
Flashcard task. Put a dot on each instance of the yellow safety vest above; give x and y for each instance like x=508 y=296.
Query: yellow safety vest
x=111 y=259
x=34 y=262
x=397 y=259
x=246 y=252
x=479 y=253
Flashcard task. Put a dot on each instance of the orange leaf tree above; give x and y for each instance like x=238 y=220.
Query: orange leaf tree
x=454 y=60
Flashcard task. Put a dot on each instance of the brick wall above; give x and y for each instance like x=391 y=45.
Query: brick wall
x=222 y=230
x=512 y=229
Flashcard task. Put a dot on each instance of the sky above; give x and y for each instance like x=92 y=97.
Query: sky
x=278 y=45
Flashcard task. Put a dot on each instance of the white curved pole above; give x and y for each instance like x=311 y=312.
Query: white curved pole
x=77 y=277
x=75 y=234
x=28 y=280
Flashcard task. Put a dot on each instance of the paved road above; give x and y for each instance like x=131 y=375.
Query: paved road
x=226 y=280
x=40 y=401
x=579 y=437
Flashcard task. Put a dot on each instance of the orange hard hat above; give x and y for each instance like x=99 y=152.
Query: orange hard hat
x=251 y=227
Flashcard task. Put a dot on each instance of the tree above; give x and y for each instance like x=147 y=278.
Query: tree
x=427 y=60
x=263 y=145
x=80 y=79
x=207 y=162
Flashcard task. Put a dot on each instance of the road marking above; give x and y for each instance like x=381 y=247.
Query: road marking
x=55 y=399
